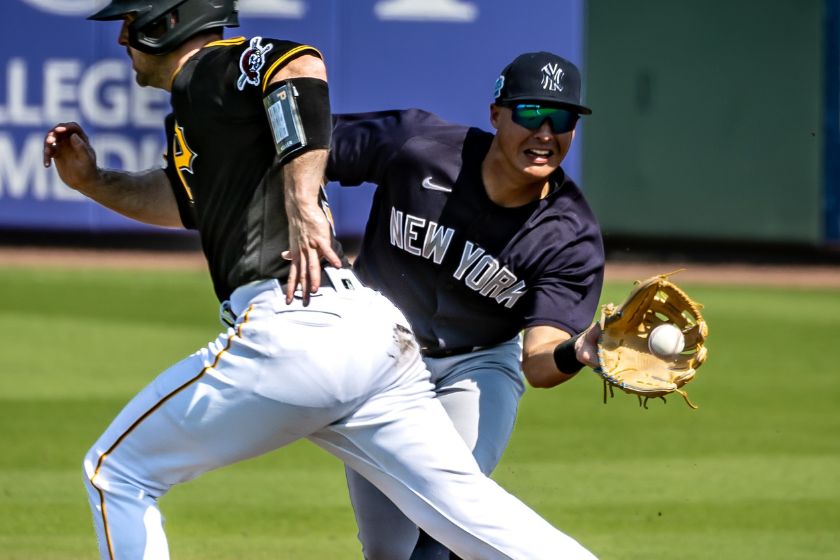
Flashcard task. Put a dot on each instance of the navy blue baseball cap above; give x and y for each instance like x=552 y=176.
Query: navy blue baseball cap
x=541 y=77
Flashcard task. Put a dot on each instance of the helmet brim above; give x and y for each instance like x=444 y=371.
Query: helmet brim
x=111 y=12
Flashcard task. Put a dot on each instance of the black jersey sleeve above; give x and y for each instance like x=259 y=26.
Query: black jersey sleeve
x=231 y=76
x=179 y=188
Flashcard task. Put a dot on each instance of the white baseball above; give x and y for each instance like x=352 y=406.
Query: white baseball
x=666 y=341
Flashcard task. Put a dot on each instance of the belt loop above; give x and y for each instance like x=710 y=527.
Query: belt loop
x=226 y=315
x=344 y=281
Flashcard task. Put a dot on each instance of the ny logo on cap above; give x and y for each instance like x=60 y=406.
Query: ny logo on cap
x=552 y=75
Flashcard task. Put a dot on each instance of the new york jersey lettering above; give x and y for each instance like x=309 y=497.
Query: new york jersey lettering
x=437 y=242
x=406 y=231
x=478 y=270
x=488 y=277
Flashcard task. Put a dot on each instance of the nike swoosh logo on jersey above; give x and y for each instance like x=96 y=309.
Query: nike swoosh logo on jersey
x=427 y=184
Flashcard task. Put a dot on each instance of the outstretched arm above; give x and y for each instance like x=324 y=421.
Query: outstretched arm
x=146 y=196
x=538 y=356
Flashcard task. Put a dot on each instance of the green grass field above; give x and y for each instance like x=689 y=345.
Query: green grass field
x=753 y=474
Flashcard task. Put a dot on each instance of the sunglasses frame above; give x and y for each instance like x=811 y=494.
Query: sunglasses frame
x=552 y=111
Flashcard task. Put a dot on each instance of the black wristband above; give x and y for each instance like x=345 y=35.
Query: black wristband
x=565 y=357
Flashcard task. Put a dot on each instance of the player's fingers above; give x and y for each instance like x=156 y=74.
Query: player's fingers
x=50 y=147
x=49 y=150
x=72 y=128
x=331 y=256
x=304 y=277
x=586 y=349
x=314 y=270
x=59 y=133
x=593 y=333
x=291 y=283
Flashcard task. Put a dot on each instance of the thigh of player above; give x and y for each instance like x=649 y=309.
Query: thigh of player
x=480 y=392
x=408 y=448
x=262 y=385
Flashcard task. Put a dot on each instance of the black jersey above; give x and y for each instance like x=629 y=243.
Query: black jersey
x=465 y=271
x=221 y=159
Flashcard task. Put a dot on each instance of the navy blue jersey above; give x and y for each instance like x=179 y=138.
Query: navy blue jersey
x=465 y=271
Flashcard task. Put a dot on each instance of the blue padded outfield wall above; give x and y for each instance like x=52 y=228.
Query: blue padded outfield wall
x=440 y=55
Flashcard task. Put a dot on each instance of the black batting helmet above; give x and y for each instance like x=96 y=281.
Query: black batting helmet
x=162 y=25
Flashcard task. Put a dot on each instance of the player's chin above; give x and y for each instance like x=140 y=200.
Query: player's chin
x=141 y=79
x=539 y=166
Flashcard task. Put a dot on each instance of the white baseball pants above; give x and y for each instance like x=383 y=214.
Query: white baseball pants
x=480 y=392
x=343 y=372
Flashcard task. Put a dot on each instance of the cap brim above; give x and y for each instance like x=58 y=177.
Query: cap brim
x=579 y=109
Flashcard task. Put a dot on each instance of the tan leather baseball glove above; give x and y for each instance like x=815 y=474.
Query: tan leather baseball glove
x=625 y=359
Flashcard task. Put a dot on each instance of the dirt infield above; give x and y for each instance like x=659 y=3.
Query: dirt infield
x=810 y=276
x=95 y=258
x=802 y=276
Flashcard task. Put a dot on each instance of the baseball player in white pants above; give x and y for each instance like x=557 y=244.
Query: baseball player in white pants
x=343 y=372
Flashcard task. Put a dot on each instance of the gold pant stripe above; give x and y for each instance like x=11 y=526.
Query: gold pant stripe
x=146 y=415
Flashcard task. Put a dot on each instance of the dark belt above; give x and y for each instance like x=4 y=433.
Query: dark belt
x=325 y=281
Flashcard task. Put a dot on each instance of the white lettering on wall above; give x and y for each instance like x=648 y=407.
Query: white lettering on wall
x=18 y=111
x=101 y=77
x=67 y=7
x=426 y=10
x=61 y=90
x=273 y=8
x=104 y=94
x=410 y=10
x=22 y=171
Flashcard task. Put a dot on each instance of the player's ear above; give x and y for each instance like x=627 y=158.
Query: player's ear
x=495 y=112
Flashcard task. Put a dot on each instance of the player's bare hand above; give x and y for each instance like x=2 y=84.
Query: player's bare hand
x=309 y=240
x=586 y=347
x=68 y=146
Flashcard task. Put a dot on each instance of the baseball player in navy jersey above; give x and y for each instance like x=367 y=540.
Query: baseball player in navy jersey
x=476 y=237
x=247 y=138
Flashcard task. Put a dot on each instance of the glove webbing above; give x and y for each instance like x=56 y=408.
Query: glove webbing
x=644 y=403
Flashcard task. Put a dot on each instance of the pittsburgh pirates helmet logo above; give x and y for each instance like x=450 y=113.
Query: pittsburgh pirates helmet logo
x=251 y=62
x=552 y=77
